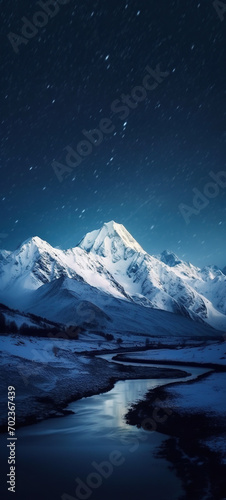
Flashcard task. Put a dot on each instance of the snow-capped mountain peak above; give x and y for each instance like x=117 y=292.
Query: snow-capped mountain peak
x=34 y=243
x=109 y=262
x=112 y=241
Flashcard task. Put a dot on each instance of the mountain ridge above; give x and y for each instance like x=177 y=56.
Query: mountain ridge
x=111 y=261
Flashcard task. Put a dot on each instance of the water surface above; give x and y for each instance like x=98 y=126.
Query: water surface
x=53 y=453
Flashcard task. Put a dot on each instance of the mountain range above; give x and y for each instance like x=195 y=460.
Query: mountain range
x=109 y=281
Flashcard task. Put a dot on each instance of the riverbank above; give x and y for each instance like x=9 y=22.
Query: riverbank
x=48 y=376
x=196 y=428
x=207 y=354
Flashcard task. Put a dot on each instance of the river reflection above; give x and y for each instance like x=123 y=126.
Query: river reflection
x=52 y=454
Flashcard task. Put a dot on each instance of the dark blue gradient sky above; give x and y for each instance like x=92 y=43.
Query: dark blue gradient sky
x=65 y=79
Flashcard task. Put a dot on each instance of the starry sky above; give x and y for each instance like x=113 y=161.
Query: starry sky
x=64 y=79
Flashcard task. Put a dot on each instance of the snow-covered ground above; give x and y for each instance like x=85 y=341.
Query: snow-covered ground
x=38 y=368
x=213 y=353
x=48 y=373
x=42 y=349
x=207 y=395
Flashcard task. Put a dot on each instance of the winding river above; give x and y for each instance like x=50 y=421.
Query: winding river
x=94 y=451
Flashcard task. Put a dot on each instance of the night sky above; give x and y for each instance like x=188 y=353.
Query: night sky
x=64 y=80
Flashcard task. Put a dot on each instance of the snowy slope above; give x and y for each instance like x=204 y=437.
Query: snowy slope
x=35 y=263
x=71 y=302
x=163 y=282
x=109 y=260
x=9 y=316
